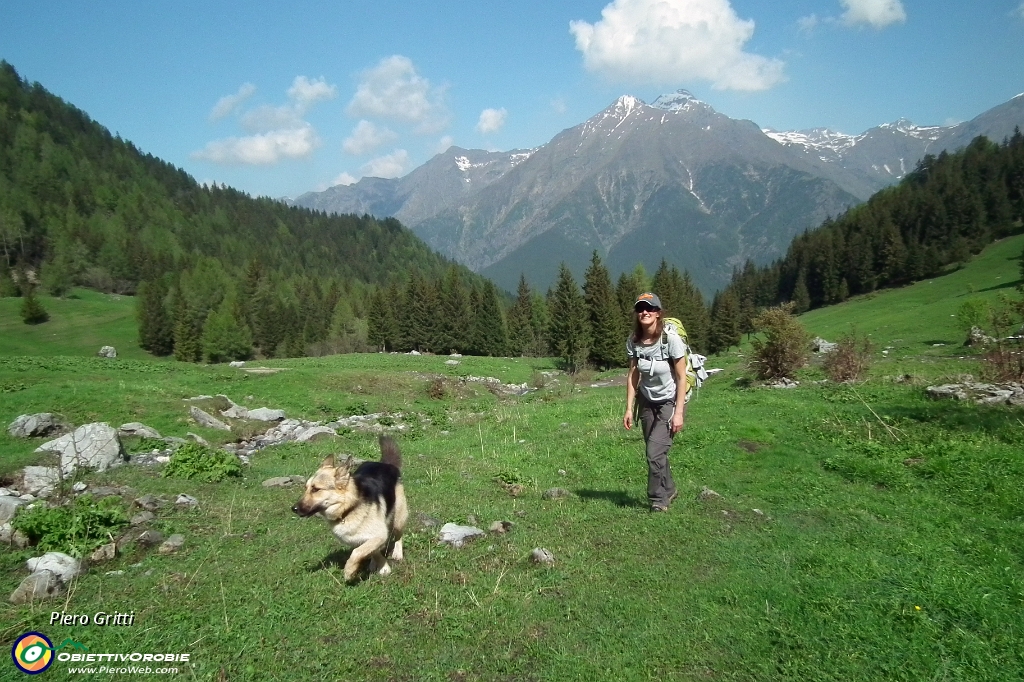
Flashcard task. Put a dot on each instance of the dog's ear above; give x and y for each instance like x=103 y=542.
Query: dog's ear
x=329 y=462
x=341 y=472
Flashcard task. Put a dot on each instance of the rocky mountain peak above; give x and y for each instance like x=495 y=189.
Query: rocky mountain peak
x=680 y=100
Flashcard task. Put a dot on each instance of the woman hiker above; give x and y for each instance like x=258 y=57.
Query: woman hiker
x=657 y=382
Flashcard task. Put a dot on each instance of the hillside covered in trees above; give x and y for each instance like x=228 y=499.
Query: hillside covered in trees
x=79 y=206
x=950 y=207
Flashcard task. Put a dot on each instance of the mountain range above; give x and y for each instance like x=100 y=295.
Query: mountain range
x=639 y=183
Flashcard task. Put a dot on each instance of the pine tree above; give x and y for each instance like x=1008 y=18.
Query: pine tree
x=603 y=314
x=454 y=313
x=490 y=331
x=520 y=327
x=801 y=298
x=225 y=337
x=569 y=325
x=725 y=323
x=32 y=311
x=156 y=326
x=187 y=344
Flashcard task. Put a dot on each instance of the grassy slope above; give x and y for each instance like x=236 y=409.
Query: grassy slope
x=854 y=566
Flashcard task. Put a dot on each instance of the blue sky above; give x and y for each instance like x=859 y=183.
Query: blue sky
x=280 y=98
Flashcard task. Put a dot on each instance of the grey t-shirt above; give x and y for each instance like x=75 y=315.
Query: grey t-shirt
x=656 y=381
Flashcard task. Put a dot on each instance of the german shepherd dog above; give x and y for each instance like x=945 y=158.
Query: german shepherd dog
x=364 y=508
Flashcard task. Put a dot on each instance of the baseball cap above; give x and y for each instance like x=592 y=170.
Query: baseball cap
x=648 y=298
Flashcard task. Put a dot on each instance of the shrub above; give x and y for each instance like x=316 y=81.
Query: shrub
x=202 y=463
x=1005 y=360
x=850 y=360
x=75 y=529
x=784 y=348
x=32 y=311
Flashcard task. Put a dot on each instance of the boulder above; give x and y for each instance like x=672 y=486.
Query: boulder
x=37 y=425
x=9 y=507
x=138 y=429
x=207 y=420
x=40 y=481
x=92 y=446
x=58 y=563
x=37 y=587
x=457 y=536
x=820 y=345
x=172 y=544
x=542 y=556
x=265 y=414
x=315 y=433
x=107 y=352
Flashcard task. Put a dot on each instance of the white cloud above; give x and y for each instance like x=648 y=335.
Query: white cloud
x=366 y=137
x=305 y=92
x=393 y=165
x=559 y=106
x=875 y=13
x=227 y=104
x=266 y=118
x=443 y=144
x=343 y=179
x=394 y=90
x=671 y=41
x=808 y=24
x=262 y=149
x=276 y=132
x=491 y=120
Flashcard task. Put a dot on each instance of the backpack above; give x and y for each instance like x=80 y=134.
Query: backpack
x=695 y=372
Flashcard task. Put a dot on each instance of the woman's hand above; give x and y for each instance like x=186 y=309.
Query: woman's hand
x=676 y=425
x=627 y=419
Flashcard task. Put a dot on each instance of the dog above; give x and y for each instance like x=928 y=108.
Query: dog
x=365 y=507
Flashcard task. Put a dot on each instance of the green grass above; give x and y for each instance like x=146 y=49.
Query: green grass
x=79 y=325
x=916 y=317
x=864 y=532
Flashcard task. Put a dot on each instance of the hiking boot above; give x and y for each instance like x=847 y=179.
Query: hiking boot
x=673 y=496
x=657 y=507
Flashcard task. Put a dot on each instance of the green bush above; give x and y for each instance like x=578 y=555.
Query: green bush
x=75 y=529
x=784 y=348
x=194 y=461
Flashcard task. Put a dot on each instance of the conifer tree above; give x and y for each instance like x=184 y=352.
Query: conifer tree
x=156 y=325
x=693 y=312
x=187 y=344
x=32 y=311
x=569 y=324
x=454 y=313
x=801 y=298
x=520 y=327
x=489 y=331
x=725 y=323
x=540 y=319
x=226 y=338
x=603 y=314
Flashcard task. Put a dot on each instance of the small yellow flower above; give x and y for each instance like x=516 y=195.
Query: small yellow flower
x=917 y=608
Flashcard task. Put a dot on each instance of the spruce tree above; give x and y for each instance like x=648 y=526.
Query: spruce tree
x=725 y=323
x=454 y=313
x=187 y=344
x=603 y=314
x=569 y=324
x=490 y=331
x=520 y=327
x=801 y=298
x=225 y=337
x=32 y=311
x=156 y=325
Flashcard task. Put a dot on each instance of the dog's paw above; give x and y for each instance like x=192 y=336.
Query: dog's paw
x=396 y=552
x=384 y=570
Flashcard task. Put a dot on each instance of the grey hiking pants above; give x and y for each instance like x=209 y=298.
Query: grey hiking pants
x=657 y=419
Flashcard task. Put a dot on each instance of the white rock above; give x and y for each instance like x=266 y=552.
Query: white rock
x=58 y=563
x=93 y=446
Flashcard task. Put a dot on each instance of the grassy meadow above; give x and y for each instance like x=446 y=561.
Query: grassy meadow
x=863 y=532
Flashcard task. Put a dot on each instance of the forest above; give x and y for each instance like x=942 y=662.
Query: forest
x=219 y=275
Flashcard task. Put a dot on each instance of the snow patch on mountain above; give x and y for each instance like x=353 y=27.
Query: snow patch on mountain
x=828 y=144
x=680 y=100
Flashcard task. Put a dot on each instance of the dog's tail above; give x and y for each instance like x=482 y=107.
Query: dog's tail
x=389 y=453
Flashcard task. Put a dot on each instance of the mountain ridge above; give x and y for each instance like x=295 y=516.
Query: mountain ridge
x=619 y=181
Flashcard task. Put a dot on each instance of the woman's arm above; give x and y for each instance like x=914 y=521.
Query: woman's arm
x=632 y=379
x=679 y=374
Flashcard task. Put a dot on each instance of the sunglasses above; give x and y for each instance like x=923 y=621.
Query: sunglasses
x=646 y=309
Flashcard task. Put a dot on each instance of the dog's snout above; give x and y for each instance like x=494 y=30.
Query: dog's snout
x=295 y=508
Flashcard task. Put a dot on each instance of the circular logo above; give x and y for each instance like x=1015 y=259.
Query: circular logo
x=32 y=653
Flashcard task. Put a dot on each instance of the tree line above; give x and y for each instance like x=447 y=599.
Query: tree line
x=950 y=207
